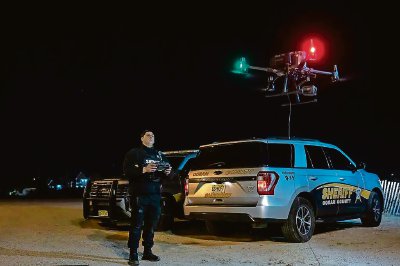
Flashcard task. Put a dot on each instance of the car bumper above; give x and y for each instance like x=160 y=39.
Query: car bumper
x=250 y=214
x=107 y=210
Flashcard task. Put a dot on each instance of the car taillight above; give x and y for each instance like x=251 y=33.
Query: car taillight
x=266 y=182
x=186 y=186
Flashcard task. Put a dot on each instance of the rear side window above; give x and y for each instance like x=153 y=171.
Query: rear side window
x=316 y=157
x=246 y=154
x=174 y=160
x=280 y=155
x=338 y=160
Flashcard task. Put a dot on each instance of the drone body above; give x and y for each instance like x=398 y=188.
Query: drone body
x=297 y=77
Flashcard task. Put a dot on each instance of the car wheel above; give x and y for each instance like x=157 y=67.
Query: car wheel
x=300 y=224
x=373 y=216
x=167 y=216
x=85 y=209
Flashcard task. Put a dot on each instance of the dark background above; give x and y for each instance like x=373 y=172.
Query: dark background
x=81 y=83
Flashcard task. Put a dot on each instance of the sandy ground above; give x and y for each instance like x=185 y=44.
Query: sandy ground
x=54 y=233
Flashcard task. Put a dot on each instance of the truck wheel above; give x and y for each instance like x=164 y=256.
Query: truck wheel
x=85 y=209
x=167 y=215
x=300 y=224
x=373 y=215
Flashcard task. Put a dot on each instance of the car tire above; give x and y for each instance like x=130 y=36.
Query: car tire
x=300 y=224
x=166 y=216
x=373 y=216
x=85 y=209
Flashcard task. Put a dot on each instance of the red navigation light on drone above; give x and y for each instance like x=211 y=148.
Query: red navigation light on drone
x=314 y=48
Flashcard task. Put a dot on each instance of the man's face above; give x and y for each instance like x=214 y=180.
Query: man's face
x=148 y=139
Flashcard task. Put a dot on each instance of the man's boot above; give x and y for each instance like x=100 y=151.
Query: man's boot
x=133 y=257
x=148 y=255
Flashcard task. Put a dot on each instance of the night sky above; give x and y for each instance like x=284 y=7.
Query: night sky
x=81 y=84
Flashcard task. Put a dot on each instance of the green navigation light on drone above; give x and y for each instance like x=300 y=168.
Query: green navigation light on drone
x=240 y=66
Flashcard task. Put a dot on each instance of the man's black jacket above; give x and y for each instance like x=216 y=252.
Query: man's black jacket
x=143 y=183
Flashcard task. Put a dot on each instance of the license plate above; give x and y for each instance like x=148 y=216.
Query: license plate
x=220 y=188
x=103 y=213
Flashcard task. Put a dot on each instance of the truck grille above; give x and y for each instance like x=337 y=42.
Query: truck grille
x=101 y=190
x=122 y=190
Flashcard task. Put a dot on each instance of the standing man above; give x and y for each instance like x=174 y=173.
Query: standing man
x=144 y=167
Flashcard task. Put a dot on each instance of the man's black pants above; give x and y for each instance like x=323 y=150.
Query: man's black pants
x=145 y=215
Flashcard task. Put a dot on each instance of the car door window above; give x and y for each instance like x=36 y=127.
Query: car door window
x=338 y=160
x=316 y=157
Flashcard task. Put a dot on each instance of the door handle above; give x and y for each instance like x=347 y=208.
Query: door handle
x=342 y=178
x=218 y=200
x=313 y=178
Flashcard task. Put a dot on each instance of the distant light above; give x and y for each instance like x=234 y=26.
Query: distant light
x=59 y=187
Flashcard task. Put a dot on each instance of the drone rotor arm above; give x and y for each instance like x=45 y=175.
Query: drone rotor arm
x=277 y=72
x=334 y=74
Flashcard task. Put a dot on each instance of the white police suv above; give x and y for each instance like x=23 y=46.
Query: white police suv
x=291 y=181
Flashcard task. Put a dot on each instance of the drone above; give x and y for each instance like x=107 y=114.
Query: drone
x=297 y=76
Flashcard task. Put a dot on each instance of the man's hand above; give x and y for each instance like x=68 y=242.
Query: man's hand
x=168 y=170
x=150 y=168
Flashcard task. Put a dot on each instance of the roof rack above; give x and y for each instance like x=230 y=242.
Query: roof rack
x=292 y=138
x=268 y=137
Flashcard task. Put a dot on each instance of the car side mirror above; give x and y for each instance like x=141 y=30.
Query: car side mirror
x=361 y=165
